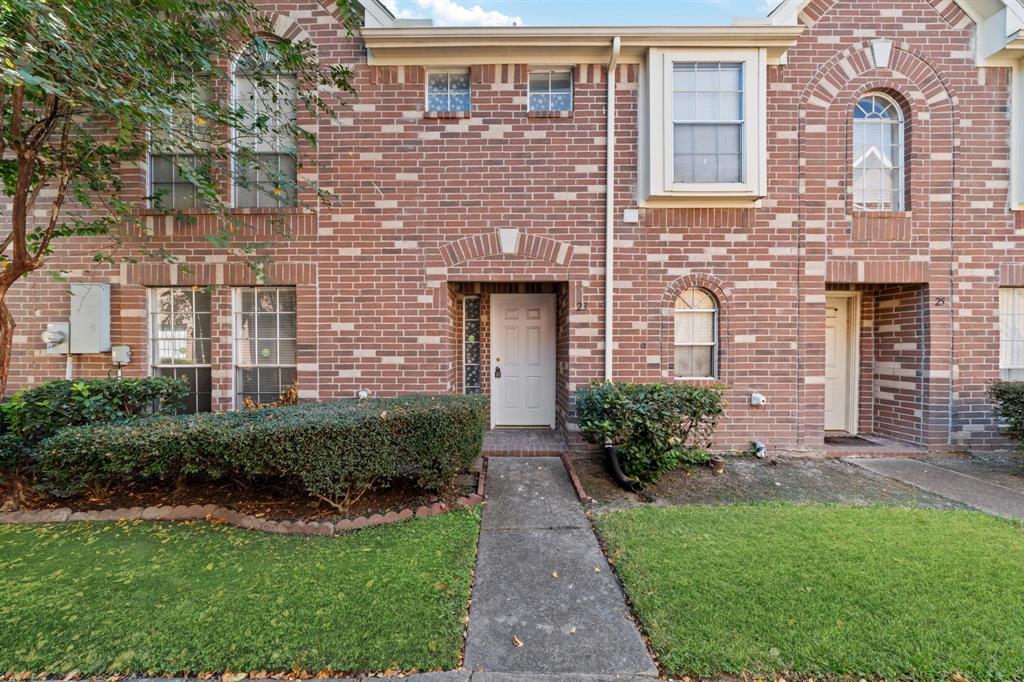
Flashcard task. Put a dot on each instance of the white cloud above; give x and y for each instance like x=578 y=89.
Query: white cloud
x=450 y=13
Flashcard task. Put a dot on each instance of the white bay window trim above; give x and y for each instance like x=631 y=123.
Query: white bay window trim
x=660 y=171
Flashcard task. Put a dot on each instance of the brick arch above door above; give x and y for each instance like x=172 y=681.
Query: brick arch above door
x=518 y=243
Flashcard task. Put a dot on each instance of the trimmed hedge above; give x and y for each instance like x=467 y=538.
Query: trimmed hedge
x=1008 y=405
x=35 y=413
x=655 y=426
x=334 y=450
x=31 y=415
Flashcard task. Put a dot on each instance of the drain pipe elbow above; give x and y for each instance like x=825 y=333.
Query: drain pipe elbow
x=609 y=214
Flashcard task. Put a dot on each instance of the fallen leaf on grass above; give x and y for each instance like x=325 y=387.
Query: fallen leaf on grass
x=234 y=677
x=554 y=574
x=516 y=642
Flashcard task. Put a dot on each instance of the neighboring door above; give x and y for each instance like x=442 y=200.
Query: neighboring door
x=523 y=360
x=840 y=356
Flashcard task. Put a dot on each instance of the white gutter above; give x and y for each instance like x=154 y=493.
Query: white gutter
x=609 y=213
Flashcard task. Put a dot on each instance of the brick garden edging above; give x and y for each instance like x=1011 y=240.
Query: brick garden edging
x=214 y=513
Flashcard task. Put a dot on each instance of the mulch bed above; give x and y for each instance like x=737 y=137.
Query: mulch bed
x=264 y=501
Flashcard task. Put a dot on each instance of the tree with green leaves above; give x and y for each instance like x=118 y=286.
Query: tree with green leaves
x=88 y=87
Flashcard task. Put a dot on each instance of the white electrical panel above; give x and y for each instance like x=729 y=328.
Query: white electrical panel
x=90 y=318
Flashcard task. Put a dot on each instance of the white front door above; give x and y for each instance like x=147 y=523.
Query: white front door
x=523 y=360
x=840 y=351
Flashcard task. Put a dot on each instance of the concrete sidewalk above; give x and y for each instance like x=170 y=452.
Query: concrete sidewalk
x=545 y=601
x=971 y=490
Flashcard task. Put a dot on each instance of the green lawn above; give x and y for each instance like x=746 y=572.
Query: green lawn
x=825 y=591
x=167 y=598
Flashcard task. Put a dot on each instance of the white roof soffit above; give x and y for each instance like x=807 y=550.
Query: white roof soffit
x=578 y=45
x=1000 y=25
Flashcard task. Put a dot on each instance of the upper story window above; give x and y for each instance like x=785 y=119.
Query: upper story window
x=878 y=157
x=265 y=168
x=550 y=90
x=448 y=91
x=696 y=335
x=706 y=138
x=707 y=122
x=180 y=340
x=173 y=166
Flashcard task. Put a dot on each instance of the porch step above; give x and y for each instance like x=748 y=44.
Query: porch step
x=542 y=442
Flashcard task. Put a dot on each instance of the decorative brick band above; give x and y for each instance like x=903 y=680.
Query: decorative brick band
x=881 y=226
x=876 y=272
x=211 y=512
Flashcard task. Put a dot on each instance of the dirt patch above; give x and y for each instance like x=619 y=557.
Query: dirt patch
x=749 y=480
x=267 y=500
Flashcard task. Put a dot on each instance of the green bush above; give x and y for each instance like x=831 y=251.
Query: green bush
x=335 y=450
x=35 y=413
x=655 y=426
x=1008 y=403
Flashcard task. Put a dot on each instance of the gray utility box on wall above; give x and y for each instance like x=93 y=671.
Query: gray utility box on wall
x=90 y=318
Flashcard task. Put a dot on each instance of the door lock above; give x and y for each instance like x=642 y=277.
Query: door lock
x=497 y=372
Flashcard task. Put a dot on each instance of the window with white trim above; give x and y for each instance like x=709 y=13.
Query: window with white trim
x=707 y=122
x=1011 y=334
x=550 y=90
x=265 y=163
x=448 y=91
x=180 y=341
x=706 y=135
x=172 y=166
x=265 y=338
x=696 y=335
x=878 y=156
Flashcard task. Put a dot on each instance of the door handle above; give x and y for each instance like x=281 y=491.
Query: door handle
x=497 y=372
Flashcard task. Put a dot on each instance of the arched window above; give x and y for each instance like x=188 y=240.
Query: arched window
x=878 y=158
x=264 y=170
x=696 y=335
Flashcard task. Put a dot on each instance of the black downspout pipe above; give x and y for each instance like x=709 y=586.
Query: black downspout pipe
x=615 y=469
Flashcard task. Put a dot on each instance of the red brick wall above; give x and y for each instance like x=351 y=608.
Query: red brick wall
x=421 y=200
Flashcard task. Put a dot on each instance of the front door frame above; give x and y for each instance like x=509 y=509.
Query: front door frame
x=552 y=302
x=853 y=316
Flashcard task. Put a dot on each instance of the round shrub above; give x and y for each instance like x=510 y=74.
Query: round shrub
x=655 y=426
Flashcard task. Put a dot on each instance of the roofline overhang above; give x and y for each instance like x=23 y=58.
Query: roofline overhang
x=1012 y=51
x=584 y=44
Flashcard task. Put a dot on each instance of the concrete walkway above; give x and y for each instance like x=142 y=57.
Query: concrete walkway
x=546 y=605
x=979 y=493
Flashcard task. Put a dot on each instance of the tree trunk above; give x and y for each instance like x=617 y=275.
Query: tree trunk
x=6 y=341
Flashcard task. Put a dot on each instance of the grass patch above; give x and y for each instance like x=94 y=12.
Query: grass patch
x=825 y=591
x=164 y=598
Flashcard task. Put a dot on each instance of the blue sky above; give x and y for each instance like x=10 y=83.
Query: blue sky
x=579 y=12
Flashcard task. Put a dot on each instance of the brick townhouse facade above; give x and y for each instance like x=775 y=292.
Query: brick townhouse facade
x=821 y=209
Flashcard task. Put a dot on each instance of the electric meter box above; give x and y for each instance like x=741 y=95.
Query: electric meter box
x=90 y=318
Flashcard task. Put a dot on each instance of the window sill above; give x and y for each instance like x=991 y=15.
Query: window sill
x=549 y=114
x=446 y=115
x=702 y=200
x=882 y=214
x=186 y=212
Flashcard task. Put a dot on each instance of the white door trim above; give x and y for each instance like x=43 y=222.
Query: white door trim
x=551 y=303
x=853 y=301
